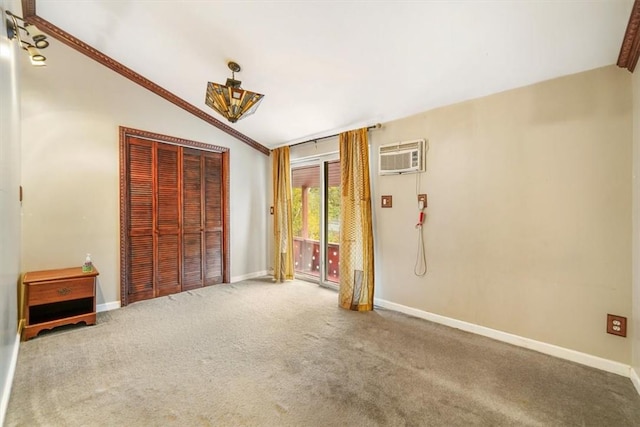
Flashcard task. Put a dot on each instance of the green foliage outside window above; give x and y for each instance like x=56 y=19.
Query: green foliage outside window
x=333 y=208
x=313 y=214
x=296 y=211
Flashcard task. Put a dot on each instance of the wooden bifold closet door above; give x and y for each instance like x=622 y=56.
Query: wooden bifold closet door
x=202 y=219
x=173 y=218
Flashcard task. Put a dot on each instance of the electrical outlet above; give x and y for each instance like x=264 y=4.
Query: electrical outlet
x=422 y=198
x=616 y=325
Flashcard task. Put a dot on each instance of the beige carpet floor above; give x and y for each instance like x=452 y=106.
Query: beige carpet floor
x=257 y=353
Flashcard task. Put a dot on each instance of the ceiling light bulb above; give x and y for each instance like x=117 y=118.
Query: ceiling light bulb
x=35 y=55
x=41 y=41
x=37 y=63
x=39 y=38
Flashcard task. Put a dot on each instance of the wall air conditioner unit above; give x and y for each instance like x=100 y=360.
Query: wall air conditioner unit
x=401 y=157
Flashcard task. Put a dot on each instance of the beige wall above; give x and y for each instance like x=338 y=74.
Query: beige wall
x=634 y=328
x=9 y=202
x=71 y=113
x=528 y=226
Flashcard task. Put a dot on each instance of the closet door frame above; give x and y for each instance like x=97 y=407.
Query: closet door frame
x=125 y=133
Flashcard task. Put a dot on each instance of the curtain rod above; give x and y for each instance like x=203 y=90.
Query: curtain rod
x=376 y=126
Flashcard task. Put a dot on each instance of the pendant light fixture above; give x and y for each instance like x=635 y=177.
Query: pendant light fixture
x=230 y=100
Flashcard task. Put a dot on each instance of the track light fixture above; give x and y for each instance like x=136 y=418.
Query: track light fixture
x=38 y=37
x=230 y=100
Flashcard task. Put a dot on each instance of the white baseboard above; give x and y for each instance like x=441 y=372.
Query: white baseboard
x=113 y=305
x=235 y=279
x=539 y=346
x=6 y=391
x=635 y=379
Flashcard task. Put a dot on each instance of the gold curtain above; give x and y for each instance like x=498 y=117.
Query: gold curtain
x=356 y=230
x=282 y=219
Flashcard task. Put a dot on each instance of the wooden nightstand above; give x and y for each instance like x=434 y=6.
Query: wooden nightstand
x=58 y=297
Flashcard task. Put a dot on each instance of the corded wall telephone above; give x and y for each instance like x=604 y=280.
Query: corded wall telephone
x=420 y=213
x=420 y=268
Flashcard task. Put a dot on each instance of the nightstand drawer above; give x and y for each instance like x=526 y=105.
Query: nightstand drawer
x=60 y=290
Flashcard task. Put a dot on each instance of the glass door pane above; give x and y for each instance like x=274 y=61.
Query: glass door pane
x=306 y=211
x=332 y=221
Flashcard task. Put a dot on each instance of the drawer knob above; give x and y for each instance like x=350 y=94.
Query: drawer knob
x=64 y=291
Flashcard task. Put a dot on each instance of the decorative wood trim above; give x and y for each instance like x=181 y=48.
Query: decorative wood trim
x=124 y=223
x=29 y=11
x=630 y=49
x=226 y=246
x=152 y=136
x=124 y=226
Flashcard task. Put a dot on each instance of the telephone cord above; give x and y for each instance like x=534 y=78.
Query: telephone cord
x=420 y=267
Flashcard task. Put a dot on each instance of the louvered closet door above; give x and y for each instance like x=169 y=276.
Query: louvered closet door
x=192 y=215
x=213 y=218
x=202 y=219
x=168 y=234
x=140 y=159
x=174 y=216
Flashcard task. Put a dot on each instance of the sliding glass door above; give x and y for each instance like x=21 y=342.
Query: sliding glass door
x=316 y=219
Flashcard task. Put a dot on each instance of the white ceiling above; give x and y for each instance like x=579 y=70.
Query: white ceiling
x=329 y=66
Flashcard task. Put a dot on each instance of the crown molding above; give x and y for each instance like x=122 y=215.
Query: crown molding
x=29 y=13
x=630 y=49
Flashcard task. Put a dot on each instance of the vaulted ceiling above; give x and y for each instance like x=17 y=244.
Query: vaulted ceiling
x=329 y=66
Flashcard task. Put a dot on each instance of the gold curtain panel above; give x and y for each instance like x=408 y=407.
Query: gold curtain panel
x=282 y=218
x=356 y=237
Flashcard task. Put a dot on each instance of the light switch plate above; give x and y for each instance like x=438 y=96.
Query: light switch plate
x=387 y=201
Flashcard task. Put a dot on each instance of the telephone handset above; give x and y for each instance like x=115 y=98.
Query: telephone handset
x=420 y=213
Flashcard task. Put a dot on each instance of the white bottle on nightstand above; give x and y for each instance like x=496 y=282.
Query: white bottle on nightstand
x=87 y=267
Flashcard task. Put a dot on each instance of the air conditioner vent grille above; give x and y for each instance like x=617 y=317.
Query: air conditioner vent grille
x=403 y=157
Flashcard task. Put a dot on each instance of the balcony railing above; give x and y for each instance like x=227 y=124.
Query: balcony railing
x=306 y=258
